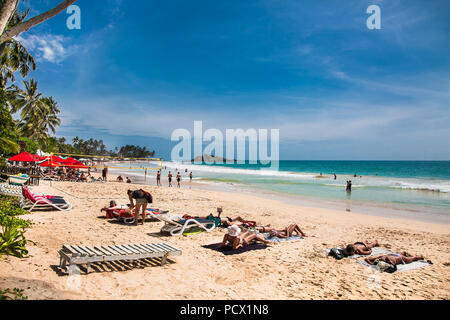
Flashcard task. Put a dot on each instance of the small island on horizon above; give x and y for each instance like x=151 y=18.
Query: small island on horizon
x=212 y=159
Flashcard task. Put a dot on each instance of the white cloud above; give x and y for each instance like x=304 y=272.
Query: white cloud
x=48 y=47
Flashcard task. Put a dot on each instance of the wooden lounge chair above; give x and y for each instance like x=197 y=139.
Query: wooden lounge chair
x=175 y=225
x=78 y=255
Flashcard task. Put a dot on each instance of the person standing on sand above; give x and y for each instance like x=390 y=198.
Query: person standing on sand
x=178 y=179
x=190 y=177
x=334 y=176
x=158 y=178
x=349 y=186
x=105 y=173
x=142 y=198
x=170 y=178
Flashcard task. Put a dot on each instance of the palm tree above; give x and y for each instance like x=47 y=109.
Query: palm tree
x=50 y=119
x=39 y=115
x=28 y=101
x=13 y=55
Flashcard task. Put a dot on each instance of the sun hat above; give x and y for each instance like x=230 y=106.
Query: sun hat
x=234 y=230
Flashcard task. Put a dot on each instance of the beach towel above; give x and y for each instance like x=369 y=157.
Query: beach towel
x=375 y=251
x=228 y=251
x=276 y=239
x=400 y=267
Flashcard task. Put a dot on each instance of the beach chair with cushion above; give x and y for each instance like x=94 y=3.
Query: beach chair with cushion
x=176 y=226
x=74 y=256
x=48 y=177
x=30 y=201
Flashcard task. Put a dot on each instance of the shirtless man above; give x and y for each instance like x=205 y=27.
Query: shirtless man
x=178 y=179
x=169 y=176
x=158 y=178
x=362 y=248
x=239 y=240
x=395 y=258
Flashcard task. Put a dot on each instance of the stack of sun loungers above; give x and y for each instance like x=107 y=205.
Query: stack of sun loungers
x=31 y=201
x=10 y=190
x=86 y=255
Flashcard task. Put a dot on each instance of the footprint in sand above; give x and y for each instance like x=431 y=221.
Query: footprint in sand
x=221 y=280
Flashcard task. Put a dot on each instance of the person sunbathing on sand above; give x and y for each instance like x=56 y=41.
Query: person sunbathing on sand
x=239 y=240
x=113 y=206
x=282 y=233
x=395 y=258
x=362 y=248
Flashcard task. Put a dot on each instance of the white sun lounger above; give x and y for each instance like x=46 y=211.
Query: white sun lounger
x=77 y=255
x=10 y=190
x=175 y=225
x=30 y=202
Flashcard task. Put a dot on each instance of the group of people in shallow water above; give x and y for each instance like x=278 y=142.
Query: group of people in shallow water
x=242 y=232
x=170 y=176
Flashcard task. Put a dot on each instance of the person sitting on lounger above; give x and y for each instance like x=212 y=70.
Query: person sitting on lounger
x=362 y=248
x=112 y=206
x=282 y=233
x=239 y=240
x=395 y=258
x=83 y=177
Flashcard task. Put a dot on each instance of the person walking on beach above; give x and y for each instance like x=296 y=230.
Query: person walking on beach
x=105 y=173
x=190 y=177
x=142 y=198
x=158 y=178
x=178 y=179
x=170 y=178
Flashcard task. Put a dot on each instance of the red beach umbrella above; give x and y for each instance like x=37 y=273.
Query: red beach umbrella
x=49 y=163
x=25 y=157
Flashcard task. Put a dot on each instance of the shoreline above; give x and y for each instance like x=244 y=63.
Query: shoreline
x=388 y=210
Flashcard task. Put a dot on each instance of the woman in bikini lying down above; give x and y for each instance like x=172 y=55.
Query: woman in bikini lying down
x=238 y=239
x=227 y=221
x=282 y=233
x=395 y=258
x=362 y=248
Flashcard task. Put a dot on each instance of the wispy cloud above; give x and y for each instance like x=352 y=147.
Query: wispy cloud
x=48 y=47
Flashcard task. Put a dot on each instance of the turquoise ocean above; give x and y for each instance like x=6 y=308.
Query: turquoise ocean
x=417 y=184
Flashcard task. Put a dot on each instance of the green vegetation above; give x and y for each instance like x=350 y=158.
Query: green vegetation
x=15 y=294
x=12 y=228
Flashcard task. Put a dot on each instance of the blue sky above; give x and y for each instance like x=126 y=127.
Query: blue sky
x=137 y=70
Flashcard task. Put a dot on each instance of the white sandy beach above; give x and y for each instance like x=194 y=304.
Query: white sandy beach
x=288 y=270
